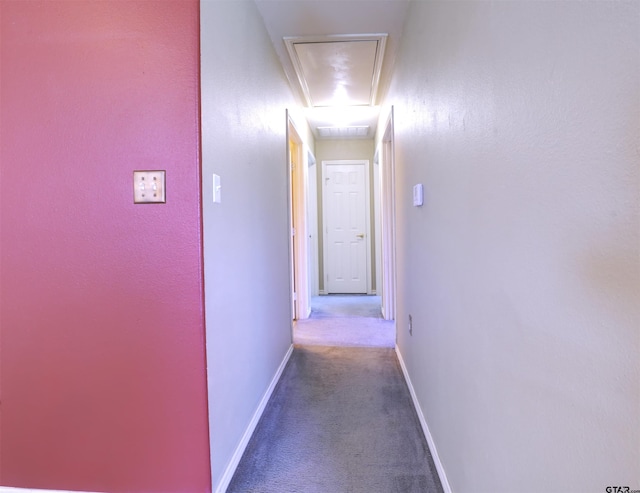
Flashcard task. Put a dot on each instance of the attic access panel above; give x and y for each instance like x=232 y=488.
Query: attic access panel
x=338 y=70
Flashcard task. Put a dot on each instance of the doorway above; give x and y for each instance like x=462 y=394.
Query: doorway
x=347 y=228
x=387 y=216
x=344 y=315
x=298 y=221
x=339 y=313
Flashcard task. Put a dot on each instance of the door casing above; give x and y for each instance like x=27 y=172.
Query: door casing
x=385 y=155
x=298 y=234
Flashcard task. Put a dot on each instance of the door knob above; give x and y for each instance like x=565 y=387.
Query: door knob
x=361 y=235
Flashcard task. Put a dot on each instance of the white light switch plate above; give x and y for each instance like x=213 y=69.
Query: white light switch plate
x=217 y=189
x=418 y=195
x=149 y=187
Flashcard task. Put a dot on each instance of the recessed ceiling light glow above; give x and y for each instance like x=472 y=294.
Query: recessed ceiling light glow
x=353 y=118
x=340 y=96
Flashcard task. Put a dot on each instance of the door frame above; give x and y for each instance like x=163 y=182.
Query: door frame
x=367 y=193
x=377 y=222
x=312 y=224
x=297 y=173
x=386 y=157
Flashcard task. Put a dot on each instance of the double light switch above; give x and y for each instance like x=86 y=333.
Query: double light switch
x=149 y=187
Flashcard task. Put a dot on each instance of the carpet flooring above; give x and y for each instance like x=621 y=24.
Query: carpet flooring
x=345 y=320
x=346 y=305
x=340 y=420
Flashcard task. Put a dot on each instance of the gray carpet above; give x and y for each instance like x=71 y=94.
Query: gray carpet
x=345 y=320
x=353 y=331
x=346 y=305
x=340 y=420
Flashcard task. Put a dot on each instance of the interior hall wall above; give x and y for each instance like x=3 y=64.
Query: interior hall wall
x=522 y=269
x=101 y=302
x=245 y=95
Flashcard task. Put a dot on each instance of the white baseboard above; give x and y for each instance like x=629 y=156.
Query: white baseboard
x=425 y=427
x=322 y=292
x=244 y=441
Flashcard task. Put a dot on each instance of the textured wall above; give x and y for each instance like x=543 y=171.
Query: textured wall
x=103 y=366
x=522 y=270
x=246 y=236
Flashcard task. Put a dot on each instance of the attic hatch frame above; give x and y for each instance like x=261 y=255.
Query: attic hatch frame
x=379 y=38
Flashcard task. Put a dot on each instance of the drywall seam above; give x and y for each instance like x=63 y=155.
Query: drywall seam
x=244 y=441
x=425 y=427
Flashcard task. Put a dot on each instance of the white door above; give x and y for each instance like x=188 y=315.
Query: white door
x=345 y=221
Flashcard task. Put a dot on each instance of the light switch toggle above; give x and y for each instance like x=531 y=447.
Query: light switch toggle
x=149 y=187
x=418 y=195
x=217 y=189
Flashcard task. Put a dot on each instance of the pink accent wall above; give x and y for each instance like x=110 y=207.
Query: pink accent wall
x=102 y=381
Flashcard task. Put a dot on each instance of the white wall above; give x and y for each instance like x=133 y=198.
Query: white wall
x=246 y=243
x=522 y=270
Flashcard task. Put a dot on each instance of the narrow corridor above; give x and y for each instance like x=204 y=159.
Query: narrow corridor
x=340 y=420
x=140 y=344
x=345 y=320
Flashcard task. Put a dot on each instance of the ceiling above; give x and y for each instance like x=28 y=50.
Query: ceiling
x=342 y=70
x=338 y=56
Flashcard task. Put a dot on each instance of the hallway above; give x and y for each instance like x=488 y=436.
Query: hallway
x=345 y=320
x=340 y=420
x=140 y=342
